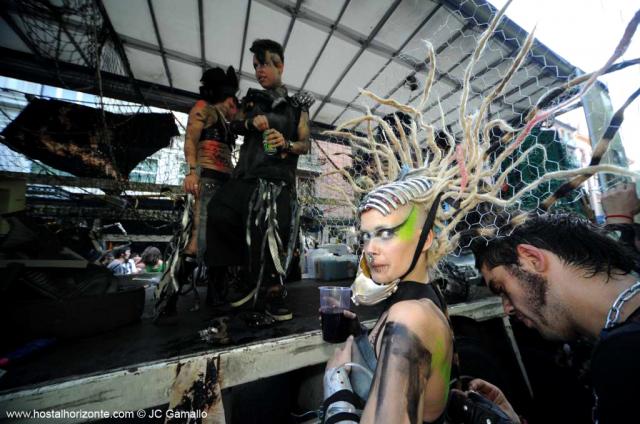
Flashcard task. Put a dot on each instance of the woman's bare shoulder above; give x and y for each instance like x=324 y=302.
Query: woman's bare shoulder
x=421 y=316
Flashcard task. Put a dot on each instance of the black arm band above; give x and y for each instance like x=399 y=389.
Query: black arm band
x=342 y=396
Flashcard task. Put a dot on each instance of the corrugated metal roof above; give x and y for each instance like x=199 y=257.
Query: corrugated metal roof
x=156 y=50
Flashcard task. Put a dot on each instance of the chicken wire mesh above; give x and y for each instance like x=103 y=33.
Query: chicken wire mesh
x=495 y=86
x=71 y=31
x=82 y=187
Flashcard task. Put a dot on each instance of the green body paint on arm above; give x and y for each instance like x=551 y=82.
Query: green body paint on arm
x=442 y=364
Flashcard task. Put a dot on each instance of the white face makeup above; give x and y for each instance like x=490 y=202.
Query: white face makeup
x=389 y=241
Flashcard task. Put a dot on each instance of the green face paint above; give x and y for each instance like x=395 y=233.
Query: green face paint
x=404 y=231
x=407 y=230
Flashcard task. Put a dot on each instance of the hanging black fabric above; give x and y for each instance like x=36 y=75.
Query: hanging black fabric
x=85 y=141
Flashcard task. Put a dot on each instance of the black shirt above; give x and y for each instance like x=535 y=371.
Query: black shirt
x=283 y=116
x=615 y=370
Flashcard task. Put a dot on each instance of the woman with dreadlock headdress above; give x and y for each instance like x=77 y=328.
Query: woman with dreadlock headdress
x=410 y=219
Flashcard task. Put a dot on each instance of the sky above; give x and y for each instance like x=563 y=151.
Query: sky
x=585 y=33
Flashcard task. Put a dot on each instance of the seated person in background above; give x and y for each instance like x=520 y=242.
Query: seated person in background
x=152 y=260
x=106 y=259
x=137 y=260
x=122 y=264
x=620 y=205
x=567 y=278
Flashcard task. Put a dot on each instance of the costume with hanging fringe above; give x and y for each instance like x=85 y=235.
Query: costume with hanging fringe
x=254 y=218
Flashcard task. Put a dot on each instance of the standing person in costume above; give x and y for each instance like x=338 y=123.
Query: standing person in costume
x=253 y=219
x=413 y=213
x=207 y=149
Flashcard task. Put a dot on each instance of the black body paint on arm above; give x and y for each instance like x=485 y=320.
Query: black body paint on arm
x=404 y=366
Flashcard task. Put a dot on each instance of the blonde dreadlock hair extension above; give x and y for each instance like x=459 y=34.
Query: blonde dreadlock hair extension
x=458 y=175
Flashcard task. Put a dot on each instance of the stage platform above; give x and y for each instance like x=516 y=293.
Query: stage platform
x=134 y=367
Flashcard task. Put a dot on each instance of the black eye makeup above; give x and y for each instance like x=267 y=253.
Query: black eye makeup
x=383 y=234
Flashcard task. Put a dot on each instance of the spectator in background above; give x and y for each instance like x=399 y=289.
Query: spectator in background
x=137 y=261
x=152 y=260
x=122 y=264
x=106 y=259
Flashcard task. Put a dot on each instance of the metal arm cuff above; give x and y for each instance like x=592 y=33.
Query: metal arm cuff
x=336 y=379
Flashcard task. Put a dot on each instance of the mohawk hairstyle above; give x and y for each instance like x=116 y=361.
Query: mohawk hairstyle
x=464 y=172
x=261 y=46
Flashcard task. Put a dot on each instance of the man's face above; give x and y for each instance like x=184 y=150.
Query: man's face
x=390 y=241
x=529 y=296
x=269 y=73
x=127 y=254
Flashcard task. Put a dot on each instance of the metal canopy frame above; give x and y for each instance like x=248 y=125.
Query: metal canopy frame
x=396 y=53
x=120 y=50
x=364 y=45
x=475 y=15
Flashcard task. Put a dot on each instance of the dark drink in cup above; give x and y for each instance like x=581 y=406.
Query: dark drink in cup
x=335 y=326
x=334 y=300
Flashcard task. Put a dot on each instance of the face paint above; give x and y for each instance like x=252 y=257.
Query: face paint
x=443 y=365
x=404 y=231
x=404 y=362
x=407 y=229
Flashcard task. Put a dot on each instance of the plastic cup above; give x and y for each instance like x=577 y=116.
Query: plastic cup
x=334 y=301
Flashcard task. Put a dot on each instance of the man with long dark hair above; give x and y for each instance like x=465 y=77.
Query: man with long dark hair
x=565 y=277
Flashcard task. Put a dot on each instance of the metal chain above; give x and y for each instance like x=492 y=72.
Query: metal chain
x=616 y=307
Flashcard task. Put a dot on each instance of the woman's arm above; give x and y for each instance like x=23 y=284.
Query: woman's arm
x=414 y=363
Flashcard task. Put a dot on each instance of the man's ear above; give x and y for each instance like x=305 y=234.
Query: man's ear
x=428 y=242
x=532 y=257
